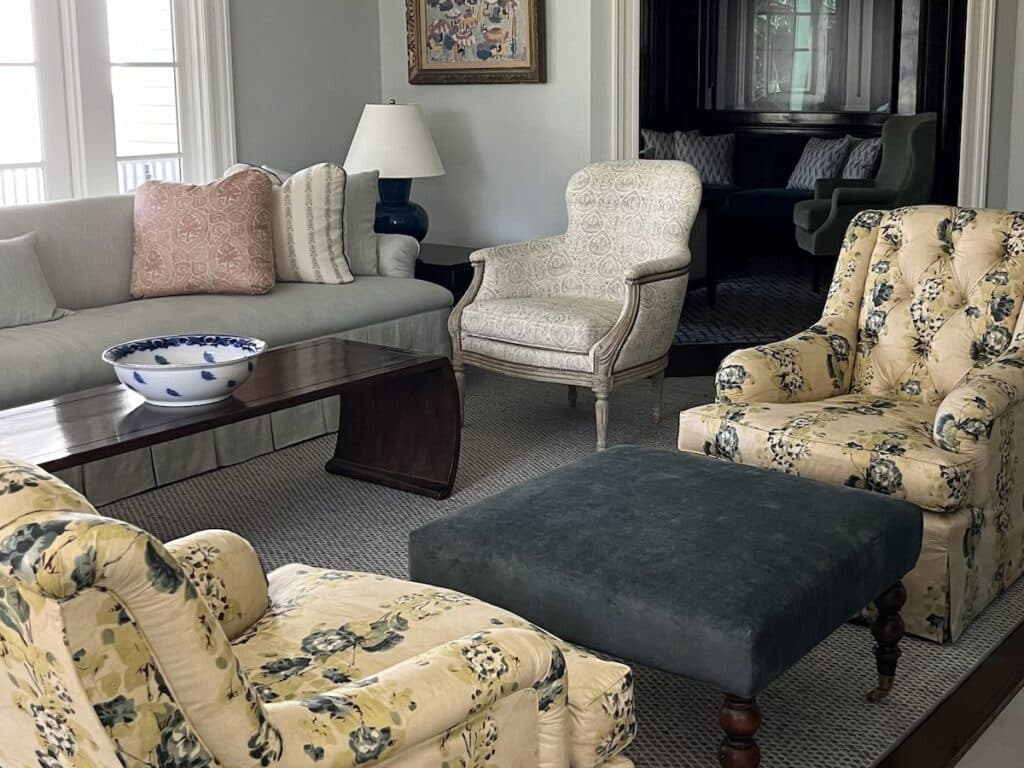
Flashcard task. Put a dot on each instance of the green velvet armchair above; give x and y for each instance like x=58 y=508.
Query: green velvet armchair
x=904 y=178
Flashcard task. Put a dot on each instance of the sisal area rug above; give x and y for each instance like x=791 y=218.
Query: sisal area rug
x=815 y=715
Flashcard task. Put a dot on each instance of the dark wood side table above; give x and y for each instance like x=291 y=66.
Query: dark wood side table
x=447 y=266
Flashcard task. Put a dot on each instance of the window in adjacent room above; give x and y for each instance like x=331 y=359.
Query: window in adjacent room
x=805 y=55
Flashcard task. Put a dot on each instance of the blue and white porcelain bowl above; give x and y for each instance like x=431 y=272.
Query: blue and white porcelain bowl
x=185 y=370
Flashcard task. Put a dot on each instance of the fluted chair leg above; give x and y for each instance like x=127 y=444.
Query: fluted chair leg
x=657 y=385
x=601 y=414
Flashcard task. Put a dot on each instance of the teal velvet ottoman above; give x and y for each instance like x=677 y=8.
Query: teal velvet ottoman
x=718 y=572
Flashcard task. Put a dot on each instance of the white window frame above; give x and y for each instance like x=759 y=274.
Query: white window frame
x=76 y=102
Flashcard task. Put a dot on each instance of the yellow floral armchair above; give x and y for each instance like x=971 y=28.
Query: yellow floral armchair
x=118 y=650
x=910 y=385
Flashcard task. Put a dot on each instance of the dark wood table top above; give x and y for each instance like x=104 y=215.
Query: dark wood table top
x=111 y=419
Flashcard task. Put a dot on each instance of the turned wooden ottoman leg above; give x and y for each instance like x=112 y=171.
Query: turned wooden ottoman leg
x=888 y=629
x=740 y=719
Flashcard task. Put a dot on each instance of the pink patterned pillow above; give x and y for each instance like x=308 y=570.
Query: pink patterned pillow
x=211 y=238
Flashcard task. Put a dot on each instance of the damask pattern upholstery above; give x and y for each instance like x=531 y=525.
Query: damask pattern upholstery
x=565 y=324
x=598 y=305
x=909 y=385
x=115 y=649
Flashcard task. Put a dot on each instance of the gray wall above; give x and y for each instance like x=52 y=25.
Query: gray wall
x=303 y=69
x=1004 y=84
x=508 y=149
x=1015 y=186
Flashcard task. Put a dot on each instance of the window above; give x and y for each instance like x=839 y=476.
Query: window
x=110 y=94
x=805 y=55
x=143 y=84
x=21 y=147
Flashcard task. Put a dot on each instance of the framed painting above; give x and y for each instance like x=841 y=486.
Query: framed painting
x=475 y=41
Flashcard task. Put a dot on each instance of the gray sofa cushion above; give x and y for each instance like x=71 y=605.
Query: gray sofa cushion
x=62 y=356
x=84 y=247
x=25 y=298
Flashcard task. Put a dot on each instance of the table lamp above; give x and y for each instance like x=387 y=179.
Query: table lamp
x=394 y=140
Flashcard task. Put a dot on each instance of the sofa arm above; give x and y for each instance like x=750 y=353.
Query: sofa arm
x=966 y=417
x=812 y=365
x=227 y=573
x=426 y=696
x=396 y=255
x=823 y=188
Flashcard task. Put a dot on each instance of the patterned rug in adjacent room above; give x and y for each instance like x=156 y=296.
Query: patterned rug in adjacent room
x=815 y=715
x=753 y=309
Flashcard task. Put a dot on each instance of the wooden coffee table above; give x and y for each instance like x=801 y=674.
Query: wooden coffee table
x=399 y=427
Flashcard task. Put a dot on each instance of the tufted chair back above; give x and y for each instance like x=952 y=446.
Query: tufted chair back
x=626 y=213
x=942 y=295
x=107 y=651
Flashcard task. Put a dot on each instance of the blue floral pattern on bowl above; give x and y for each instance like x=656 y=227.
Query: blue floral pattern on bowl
x=184 y=370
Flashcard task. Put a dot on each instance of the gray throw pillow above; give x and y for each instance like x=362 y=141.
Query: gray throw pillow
x=360 y=215
x=710 y=155
x=863 y=159
x=25 y=297
x=822 y=159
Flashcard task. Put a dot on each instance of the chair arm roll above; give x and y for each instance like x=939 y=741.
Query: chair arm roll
x=227 y=573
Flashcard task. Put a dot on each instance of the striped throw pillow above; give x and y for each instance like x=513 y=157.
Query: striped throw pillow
x=309 y=220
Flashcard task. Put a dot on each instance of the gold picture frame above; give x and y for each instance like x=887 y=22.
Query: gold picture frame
x=454 y=42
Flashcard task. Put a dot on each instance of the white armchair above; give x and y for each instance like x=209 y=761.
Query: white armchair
x=597 y=306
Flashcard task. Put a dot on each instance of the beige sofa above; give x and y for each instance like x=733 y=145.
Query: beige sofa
x=85 y=249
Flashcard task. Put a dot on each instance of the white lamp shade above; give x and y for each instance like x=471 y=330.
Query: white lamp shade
x=394 y=139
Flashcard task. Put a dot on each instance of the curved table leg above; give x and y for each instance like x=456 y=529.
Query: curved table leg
x=402 y=430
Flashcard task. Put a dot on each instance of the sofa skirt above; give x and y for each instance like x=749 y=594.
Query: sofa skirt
x=118 y=477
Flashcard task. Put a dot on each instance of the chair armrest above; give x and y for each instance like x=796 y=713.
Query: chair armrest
x=524 y=250
x=659 y=269
x=965 y=419
x=426 y=696
x=514 y=270
x=227 y=573
x=396 y=255
x=864 y=197
x=812 y=365
x=823 y=188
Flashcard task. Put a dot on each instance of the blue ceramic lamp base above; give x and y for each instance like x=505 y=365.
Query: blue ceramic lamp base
x=396 y=215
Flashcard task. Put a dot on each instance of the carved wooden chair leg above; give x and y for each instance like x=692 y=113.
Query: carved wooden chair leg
x=573 y=393
x=888 y=629
x=740 y=718
x=657 y=385
x=601 y=414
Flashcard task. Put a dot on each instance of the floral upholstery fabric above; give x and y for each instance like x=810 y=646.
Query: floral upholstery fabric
x=572 y=293
x=564 y=324
x=111 y=654
x=908 y=385
x=327 y=627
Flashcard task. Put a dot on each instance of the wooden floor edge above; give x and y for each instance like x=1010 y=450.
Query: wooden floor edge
x=942 y=738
